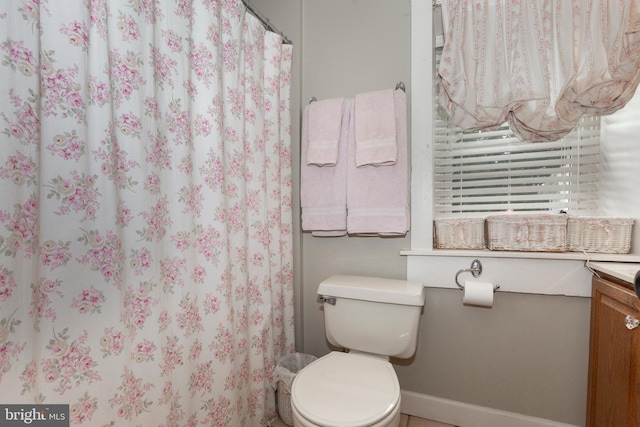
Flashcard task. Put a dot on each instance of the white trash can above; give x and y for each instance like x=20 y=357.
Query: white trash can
x=286 y=369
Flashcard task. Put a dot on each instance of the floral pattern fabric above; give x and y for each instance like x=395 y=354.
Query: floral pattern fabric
x=538 y=65
x=145 y=221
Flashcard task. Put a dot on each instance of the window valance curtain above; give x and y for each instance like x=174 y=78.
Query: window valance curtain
x=538 y=65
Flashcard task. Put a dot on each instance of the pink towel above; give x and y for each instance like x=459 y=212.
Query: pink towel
x=378 y=197
x=325 y=124
x=375 y=128
x=323 y=190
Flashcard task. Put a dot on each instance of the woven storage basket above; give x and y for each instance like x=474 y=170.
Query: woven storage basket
x=598 y=234
x=527 y=232
x=286 y=370
x=284 y=404
x=459 y=233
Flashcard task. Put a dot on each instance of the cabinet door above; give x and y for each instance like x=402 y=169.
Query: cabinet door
x=614 y=395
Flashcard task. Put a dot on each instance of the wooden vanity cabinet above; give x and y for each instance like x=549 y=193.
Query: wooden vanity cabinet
x=614 y=360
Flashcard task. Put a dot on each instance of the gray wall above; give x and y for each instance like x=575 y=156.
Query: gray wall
x=528 y=354
x=350 y=47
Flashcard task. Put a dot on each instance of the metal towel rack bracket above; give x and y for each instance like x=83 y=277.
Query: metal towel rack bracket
x=475 y=270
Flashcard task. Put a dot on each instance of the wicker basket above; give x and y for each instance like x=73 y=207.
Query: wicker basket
x=598 y=234
x=459 y=233
x=286 y=370
x=284 y=404
x=531 y=232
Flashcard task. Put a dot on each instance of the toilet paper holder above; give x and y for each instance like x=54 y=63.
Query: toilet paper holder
x=475 y=270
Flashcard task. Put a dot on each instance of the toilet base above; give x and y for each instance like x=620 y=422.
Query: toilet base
x=392 y=420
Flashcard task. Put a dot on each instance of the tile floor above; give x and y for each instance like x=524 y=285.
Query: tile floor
x=409 y=421
x=405 y=421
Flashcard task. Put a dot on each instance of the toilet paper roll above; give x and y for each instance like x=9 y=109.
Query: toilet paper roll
x=478 y=293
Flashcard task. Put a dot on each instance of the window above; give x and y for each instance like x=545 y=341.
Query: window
x=548 y=273
x=480 y=172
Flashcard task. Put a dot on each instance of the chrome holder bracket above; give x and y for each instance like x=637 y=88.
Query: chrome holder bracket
x=475 y=270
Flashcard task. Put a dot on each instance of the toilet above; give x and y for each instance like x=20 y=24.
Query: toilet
x=372 y=319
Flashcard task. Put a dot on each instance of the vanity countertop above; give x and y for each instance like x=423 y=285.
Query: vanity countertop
x=622 y=270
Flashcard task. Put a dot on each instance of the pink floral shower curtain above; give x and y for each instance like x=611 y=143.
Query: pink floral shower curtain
x=145 y=211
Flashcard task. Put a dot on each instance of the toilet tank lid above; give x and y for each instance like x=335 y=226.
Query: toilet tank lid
x=392 y=291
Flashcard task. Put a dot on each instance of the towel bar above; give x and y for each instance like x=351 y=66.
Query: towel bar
x=399 y=85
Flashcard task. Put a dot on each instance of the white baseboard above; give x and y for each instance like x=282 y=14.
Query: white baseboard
x=467 y=415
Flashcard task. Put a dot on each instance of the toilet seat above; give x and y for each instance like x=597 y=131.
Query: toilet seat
x=346 y=389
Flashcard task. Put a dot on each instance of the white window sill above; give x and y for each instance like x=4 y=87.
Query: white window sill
x=544 y=273
x=486 y=253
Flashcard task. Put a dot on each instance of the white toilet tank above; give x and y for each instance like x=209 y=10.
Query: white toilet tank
x=372 y=315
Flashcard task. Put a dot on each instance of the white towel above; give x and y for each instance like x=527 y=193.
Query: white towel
x=325 y=124
x=323 y=190
x=378 y=197
x=375 y=128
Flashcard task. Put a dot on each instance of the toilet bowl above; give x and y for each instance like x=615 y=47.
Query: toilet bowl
x=346 y=390
x=374 y=319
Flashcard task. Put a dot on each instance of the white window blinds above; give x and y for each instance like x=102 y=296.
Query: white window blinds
x=479 y=172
